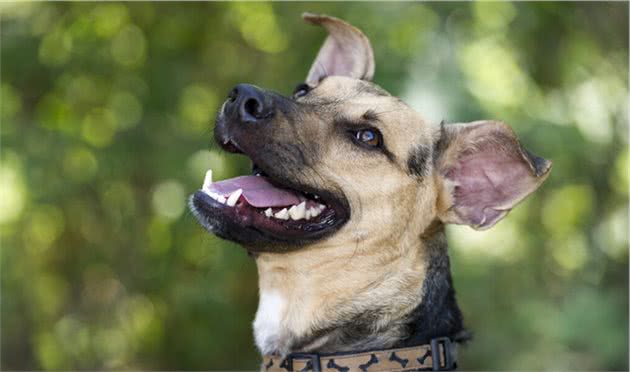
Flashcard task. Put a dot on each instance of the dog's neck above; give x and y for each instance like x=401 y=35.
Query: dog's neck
x=335 y=299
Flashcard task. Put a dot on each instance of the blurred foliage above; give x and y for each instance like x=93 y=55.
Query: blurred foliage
x=107 y=111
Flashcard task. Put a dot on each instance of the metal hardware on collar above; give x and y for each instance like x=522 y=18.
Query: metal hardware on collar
x=436 y=355
x=314 y=360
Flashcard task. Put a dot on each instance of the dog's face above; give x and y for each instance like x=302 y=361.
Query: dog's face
x=343 y=161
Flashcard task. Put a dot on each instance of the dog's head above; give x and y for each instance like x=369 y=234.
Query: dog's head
x=342 y=160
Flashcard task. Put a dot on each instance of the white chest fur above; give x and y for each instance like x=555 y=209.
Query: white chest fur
x=268 y=328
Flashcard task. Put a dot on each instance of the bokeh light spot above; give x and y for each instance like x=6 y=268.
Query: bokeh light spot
x=169 y=199
x=129 y=47
x=119 y=200
x=72 y=335
x=137 y=315
x=202 y=160
x=11 y=104
x=127 y=109
x=493 y=74
x=619 y=178
x=565 y=209
x=99 y=127
x=49 y=353
x=56 y=114
x=109 y=18
x=55 y=48
x=45 y=226
x=197 y=106
x=100 y=285
x=571 y=252
x=12 y=192
x=82 y=88
x=504 y=241
x=80 y=164
x=612 y=234
x=591 y=113
x=111 y=346
x=493 y=15
x=258 y=26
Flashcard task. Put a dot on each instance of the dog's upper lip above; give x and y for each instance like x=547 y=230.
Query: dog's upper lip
x=231 y=146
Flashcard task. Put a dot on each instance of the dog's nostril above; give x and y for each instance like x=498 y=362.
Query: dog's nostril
x=253 y=107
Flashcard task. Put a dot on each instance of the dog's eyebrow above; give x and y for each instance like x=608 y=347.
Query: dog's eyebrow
x=370 y=115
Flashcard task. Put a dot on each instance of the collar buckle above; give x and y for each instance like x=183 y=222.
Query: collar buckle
x=442 y=361
x=313 y=362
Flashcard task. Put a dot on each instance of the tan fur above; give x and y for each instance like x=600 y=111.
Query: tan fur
x=376 y=259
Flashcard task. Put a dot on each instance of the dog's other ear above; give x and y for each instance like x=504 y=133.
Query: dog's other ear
x=346 y=51
x=484 y=172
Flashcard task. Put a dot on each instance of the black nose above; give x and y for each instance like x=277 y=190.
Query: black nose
x=249 y=104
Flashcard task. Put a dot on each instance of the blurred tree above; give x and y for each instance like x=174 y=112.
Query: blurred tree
x=107 y=112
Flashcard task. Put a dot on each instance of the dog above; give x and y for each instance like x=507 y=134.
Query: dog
x=345 y=209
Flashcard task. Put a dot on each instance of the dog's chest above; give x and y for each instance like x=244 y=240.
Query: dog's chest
x=268 y=329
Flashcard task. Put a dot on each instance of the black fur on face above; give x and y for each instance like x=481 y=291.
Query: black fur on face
x=419 y=161
x=280 y=147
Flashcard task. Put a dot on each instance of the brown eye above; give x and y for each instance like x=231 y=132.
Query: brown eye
x=369 y=137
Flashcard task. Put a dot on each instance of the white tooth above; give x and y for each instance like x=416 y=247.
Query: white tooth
x=297 y=212
x=221 y=199
x=314 y=212
x=283 y=214
x=207 y=181
x=308 y=214
x=212 y=195
x=322 y=207
x=231 y=201
x=268 y=212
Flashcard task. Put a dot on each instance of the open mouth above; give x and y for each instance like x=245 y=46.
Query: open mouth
x=258 y=206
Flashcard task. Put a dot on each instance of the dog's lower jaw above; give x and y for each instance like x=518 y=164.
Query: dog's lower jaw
x=323 y=300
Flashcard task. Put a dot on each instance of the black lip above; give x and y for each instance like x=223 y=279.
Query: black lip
x=242 y=225
x=246 y=225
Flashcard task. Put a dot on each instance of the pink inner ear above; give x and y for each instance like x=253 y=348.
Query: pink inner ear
x=333 y=60
x=488 y=183
x=346 y=51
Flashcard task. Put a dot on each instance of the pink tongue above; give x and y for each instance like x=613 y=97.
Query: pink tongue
x=257 y=191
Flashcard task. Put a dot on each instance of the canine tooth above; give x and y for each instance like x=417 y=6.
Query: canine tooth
x=297 y=212
x=321 y=207
x=283 y=214
x=268 y=212
x=221 y=199
x=231 y=201
x=207 y=181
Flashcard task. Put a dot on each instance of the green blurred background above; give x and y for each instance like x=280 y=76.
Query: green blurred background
x=107 y=112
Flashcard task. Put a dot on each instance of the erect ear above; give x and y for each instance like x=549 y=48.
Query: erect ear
x=485 y=172
x=346 y=51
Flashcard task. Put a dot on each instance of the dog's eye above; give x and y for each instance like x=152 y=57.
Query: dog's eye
x=301 y=90
x=370 y=137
